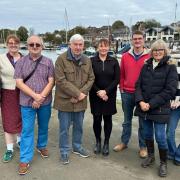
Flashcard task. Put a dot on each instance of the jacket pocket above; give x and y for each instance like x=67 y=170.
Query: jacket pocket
x=70 y=74
x=85 y=75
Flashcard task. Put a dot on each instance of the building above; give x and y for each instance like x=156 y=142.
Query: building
x=167 y=33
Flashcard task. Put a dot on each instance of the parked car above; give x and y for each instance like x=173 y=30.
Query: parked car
x=111 y=53
x=122 y=51
x=90 y=52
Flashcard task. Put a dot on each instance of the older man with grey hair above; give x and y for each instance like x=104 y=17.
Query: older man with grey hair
x=74 y=78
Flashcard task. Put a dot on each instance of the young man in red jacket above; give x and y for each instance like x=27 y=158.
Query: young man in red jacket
x=131 y=64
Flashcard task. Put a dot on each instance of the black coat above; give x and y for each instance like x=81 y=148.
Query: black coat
x=106 y=78
x=157 y=87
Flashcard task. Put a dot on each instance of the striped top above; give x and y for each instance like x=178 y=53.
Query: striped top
x=38 y=81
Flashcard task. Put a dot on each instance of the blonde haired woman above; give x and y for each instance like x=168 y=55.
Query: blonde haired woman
x=155 y=88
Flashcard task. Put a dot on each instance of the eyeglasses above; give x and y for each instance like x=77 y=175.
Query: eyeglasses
x=158 y=50
x=34 y=45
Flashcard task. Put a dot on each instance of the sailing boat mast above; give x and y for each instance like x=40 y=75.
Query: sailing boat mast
x=4 y=41
x=108 y=31
x=67 y=24
x=175 y=12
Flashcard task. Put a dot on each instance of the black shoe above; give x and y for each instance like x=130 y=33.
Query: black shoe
x=163 y=169
x=177 y=163
x=97 y=148
x=105 y=151
x=148 y=161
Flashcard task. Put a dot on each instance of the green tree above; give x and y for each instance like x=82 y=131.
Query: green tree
x=142 y=25
x=22 y=32
x=77 y=30
x=152 y=23
x=62 y=34
x=118 y=25
x=49 y=37
x=4 y=33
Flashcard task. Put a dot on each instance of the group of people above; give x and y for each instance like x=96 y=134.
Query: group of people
x=148 y=83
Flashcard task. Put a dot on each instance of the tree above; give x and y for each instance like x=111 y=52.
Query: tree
x=4 y=33
x=118 y=25
x=49 y=37
x=22 y=32
x=152 y=23
x=77 y=30
x=142 y=25
x=62 y=33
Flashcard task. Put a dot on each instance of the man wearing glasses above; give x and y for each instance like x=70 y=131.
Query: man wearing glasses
x=34 y=76
x=131 y=64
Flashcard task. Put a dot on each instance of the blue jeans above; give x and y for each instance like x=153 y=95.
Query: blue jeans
x=65 y=120
x=151 y=127
x=173 y=150
x=27 y=135
x=128 y=105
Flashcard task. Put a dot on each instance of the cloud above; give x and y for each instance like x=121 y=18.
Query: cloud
x=48 y=15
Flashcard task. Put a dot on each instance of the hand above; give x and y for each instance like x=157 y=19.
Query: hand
x=74 y=100
x=39 y=98
x=101 y=93
x=105 y=98
x=81 y=96
x=175 y=104
x=35 y=105
x=144 y=106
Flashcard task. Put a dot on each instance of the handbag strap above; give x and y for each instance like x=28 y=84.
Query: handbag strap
x=32 y=72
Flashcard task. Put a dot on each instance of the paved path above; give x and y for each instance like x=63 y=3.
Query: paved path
x=117 y=166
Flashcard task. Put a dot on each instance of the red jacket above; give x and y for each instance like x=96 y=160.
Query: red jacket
x=130 y=70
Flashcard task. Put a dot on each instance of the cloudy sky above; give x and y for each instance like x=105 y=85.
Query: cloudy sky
x=48 y=15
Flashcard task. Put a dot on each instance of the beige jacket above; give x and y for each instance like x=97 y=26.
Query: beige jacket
x=7 y=73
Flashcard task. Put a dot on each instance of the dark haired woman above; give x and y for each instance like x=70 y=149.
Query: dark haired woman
x=103 y=94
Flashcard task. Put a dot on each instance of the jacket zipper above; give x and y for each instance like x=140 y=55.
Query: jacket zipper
x=103 y=65
x=145 y=118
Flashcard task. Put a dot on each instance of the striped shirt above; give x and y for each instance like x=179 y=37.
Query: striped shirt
x=38 y=81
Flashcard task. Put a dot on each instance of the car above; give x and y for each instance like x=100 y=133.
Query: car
x=124 y=49
x=90 y=52
x=111 y=53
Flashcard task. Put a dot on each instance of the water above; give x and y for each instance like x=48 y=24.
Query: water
x=50 y=54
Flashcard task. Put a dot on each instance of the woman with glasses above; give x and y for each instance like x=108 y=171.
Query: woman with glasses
x=155 y=88
x=10 y=109
x=103 y=94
